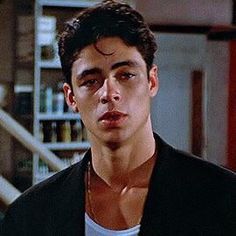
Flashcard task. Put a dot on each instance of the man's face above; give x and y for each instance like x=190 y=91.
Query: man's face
x=111 y=90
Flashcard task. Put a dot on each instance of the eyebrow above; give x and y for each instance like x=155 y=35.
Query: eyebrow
x=87 y=72
x=124 y=63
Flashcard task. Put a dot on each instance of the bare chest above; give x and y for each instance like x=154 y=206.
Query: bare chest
x=116 y=209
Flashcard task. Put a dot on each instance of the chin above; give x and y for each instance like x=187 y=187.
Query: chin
x=115 y=138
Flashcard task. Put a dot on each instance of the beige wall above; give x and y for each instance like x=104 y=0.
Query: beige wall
x=186 y=12
x=217 y=71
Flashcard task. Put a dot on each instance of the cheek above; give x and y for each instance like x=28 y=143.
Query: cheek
x=142 y=98
x=85 y=105
x=140 y=92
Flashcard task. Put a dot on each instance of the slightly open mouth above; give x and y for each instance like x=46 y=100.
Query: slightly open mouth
x=112 y=116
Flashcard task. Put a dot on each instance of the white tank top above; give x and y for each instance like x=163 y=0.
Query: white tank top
x=93 y=229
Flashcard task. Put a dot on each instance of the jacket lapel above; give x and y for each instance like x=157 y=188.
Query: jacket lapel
x=73 y=203
x=152 y=220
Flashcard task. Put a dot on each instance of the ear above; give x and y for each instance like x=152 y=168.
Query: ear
x=70 y=98
x=153 y=81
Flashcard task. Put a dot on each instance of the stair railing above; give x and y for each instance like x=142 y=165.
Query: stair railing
x=8 y=193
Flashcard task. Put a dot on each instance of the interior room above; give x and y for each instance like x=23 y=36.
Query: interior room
x=194 y=110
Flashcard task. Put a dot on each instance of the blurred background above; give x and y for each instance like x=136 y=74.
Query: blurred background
x=195 y=109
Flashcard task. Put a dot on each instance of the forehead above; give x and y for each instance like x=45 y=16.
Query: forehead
x=106 y=52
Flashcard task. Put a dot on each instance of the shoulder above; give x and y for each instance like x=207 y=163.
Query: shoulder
x=203 y=170
x=197 y=190
x=192 y=176
x=185 y=164
x=51 y=187
x=43 y=202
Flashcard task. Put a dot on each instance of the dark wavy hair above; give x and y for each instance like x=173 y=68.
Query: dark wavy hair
x=107 y=19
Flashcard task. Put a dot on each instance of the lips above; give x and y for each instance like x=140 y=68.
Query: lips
x=112 y=116
x=113 y=119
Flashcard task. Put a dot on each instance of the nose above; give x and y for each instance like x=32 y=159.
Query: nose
x=110 y=91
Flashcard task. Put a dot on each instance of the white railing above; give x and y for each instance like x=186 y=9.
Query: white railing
x=7 y=191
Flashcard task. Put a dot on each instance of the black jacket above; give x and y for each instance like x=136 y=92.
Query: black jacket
x=187 y=196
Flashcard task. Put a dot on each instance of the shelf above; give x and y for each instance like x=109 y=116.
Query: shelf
x=49 y=64
x=24 y=116
x=69 y=3
x=222 y=33
x=55 y=116
x=68 y=146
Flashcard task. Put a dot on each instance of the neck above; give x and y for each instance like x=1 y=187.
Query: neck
x=116 y=167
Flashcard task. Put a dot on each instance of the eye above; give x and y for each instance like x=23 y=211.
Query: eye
x=90 y=82
x=126 y=75
x=90 y=79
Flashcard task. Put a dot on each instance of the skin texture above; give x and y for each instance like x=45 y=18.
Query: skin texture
x=112 y=91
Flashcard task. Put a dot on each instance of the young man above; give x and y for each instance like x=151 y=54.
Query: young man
x=130 y=182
